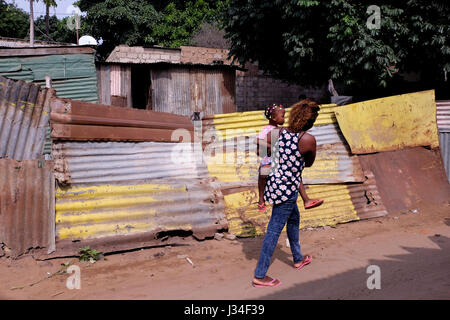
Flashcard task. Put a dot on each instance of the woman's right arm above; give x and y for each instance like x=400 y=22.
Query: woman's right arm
x=307 y=147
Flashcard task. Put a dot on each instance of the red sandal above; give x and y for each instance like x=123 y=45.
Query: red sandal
x=305 y=261
x=262 y=207
x=268 y=284
x=314 y=204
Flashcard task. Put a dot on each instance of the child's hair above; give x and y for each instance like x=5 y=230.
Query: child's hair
x=270 y=109
x=303 y=115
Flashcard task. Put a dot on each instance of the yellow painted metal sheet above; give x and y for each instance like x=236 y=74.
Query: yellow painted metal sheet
x=107 y=210
x=245 y=220
x=249 y=123
x=332 y=165
x=390 y=123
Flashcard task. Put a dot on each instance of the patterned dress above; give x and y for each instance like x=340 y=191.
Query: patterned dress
x=287 y=167
x=265 y=161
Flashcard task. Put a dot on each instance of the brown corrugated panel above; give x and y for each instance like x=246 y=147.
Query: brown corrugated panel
x=76 y=120
x=408 y=176
x=228 y=88
x=184 y=90
x=366 y=199
x=27 y=218
x=24 y=119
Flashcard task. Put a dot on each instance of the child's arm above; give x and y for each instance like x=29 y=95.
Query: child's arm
x=302 y=192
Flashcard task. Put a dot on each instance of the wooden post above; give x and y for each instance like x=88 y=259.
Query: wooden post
x=31 y=24
x=48 y=81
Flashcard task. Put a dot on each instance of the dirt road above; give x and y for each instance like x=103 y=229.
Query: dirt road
x=412 y=251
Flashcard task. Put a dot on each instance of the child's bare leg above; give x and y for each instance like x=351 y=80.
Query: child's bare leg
x=261 y=186
x=306 y=200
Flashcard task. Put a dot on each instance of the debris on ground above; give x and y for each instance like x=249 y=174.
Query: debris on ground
x=230 y=236
x=287 y=243
x=190 y=261
x=182 y=256
x=218 y=236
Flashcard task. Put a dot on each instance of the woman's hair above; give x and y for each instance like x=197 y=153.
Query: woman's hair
x=303 y=115
x=268 y=110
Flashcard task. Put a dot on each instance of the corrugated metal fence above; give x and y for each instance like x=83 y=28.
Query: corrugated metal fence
x=24 y=119
x=443 y=123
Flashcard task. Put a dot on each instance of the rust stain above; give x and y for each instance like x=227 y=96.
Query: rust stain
x=83 y=121
x=403 y=179
x=27 y=220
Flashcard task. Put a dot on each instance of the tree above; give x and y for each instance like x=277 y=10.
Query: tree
x=58 y=30
x=13 y=21
x=119 y=22
x=179 y=24
x=140 y=22
x=308 y=42
x=48 y=4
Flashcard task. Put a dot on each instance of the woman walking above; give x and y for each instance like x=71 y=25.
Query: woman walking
x=293 y=150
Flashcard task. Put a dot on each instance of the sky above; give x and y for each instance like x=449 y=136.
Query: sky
x=61 y=10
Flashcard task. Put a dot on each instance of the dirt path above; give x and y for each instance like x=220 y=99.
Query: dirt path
x=412 y=251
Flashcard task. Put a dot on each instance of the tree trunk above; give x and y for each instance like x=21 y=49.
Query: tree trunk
x=47 y=21
x=31 y=24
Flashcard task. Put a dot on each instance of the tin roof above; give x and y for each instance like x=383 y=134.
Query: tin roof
x=186 y=55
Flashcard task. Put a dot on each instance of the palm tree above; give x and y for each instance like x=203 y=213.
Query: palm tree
x=31 y=24
x=48 y=4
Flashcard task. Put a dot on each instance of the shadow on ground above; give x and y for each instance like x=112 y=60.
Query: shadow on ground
x=422 y=273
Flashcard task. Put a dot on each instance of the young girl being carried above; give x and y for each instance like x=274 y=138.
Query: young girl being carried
x=275 y=114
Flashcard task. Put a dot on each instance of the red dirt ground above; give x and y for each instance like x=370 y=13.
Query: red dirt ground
x=411 y=249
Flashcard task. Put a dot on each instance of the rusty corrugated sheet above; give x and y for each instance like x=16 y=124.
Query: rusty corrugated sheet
x=342 y=203
x=391 y=123
x=444 y=140
x=234 y=162
x=184 y=90
x=24 y=119
x=443 y=114
x=123 y=194
x=336 y=176
x=407 y=177
x=27 y=219
x=115 y=215
x=251 y=122
x=76 y=120
x=109 y=162
x=115 y=80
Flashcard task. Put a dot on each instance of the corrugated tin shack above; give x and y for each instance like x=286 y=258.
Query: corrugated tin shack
x=126 y=179
x=70 y=67
x=180 y=81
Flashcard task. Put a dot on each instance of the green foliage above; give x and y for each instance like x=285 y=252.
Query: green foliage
x=90 y=255
x=59 y=31
x=119 y=22
x=179 y=24
x=14 y=22
x=308 y=42
x=140 y=22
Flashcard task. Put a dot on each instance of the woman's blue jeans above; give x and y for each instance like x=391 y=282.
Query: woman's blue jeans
x=286 y=212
